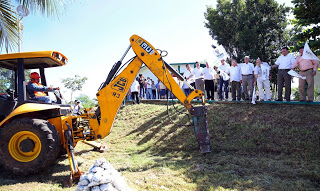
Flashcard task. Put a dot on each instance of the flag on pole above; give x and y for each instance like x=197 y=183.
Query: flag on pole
x=308 y=54
x=254 y=95
x=224 y=75
x=295 y=74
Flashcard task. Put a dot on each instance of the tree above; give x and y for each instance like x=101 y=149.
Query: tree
x=307 y=14
x=9 y=18
x=86 y=102
x=7 y=79
x=74 y=84
x=249 y=27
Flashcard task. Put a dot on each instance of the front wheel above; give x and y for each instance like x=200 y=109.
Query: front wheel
x=28 y=145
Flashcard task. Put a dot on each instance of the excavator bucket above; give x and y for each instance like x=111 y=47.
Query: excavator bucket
x=201 y=131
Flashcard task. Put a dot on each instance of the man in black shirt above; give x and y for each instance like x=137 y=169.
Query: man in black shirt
x=141 y=83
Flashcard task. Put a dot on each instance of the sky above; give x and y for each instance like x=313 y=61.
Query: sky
x=93 y=35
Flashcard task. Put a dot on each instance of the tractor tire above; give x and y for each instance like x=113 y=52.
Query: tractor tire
x=28 y=145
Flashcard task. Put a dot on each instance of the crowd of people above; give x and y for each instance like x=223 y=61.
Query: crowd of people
x=239 y=78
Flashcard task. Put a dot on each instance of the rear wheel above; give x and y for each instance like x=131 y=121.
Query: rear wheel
x=28 y=145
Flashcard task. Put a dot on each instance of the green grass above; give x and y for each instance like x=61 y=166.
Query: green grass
x=254 y=147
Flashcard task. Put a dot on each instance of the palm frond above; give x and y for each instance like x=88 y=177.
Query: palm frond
x=9 y=37
x=51 y=8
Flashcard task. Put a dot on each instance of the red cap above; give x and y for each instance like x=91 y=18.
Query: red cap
x=34 y=75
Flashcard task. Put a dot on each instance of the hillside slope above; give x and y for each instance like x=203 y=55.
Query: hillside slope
x=254 y=147
x=258 y=147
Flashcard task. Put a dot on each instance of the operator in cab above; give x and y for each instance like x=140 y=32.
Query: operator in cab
x=37 y=91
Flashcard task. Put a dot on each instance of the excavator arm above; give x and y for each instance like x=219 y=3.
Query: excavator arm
x=112 y=92
x=115 y=88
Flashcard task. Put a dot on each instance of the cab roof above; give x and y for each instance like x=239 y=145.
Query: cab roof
x=33 y=60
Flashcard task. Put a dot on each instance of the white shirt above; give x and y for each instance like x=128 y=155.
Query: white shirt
x=185 y=86
x=197 y=73
x=263 y=72
x=209 y=73
x=76 y=108
x=187 y=74
x=285 y=62
x=161 y=86
x=246 y=69
x=235 y=74
x=225 y=68
x=177 y=81
x=135 y=86
x=149 y=83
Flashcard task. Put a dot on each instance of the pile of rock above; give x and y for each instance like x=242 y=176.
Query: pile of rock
x=102 y=177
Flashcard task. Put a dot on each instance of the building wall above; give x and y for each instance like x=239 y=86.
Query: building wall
x=147 y=73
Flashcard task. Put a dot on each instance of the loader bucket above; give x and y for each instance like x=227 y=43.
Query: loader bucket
x=201 y=131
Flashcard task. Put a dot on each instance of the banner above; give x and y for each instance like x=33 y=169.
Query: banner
x=254 y=95
x=308 y=54
x=295 y=74
x=224 y=75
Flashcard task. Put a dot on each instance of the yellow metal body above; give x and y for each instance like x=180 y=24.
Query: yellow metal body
x=28 y=108
x=111 y=96
x=33 y=60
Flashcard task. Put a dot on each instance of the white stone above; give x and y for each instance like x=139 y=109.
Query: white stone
x=104 y=187
x=106 y=178
x=91 y=168
x=102 y=176
x=97 y=169
x=115 y=174
x=99 y=162
x=93 y=183
x=90 y=176
x=84 y=182
x=83 y=177
x=80 y=188
x=95 y=188
x=107 y=166
x=97 y=177
x=111 y=188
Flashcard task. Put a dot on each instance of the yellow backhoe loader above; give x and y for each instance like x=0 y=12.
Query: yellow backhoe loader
x=33 y=134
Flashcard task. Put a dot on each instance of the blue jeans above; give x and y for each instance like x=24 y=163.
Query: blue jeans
x=221 y=83
x=186 y=91
x=46 y=99
x=149 y=93
x=141 y=92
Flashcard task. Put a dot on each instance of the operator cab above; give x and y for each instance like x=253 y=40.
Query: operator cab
x=13 y=80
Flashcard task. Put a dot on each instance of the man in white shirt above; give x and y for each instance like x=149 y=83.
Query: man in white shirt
x=76 y=108
x=149 y=88
x=262 y=79
x=247 y=77
x=135 y=87
x=235 y=80
x=154 y=90
x=188 y=76
x=284 y=64
x=224 y=69
x=198 y=75
x=209 y=75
